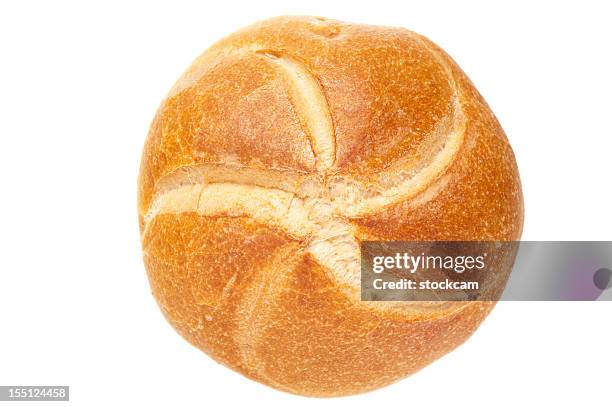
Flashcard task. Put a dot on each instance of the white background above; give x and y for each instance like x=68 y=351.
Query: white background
x=79 y=85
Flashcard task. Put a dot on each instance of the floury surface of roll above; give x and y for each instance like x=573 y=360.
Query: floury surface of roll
x=281 y=148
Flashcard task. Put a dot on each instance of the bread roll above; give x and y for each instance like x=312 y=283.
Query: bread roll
x=281 y=148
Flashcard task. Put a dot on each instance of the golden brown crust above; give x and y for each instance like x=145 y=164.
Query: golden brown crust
x=479 y=196
x=278 y=150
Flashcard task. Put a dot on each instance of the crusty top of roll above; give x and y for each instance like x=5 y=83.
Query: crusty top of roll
x=281 y=148
x=332 y=133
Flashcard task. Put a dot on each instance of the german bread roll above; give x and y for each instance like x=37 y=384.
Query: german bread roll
x=281 y=148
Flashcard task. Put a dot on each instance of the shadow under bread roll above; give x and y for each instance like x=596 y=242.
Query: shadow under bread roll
x=281 y=148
